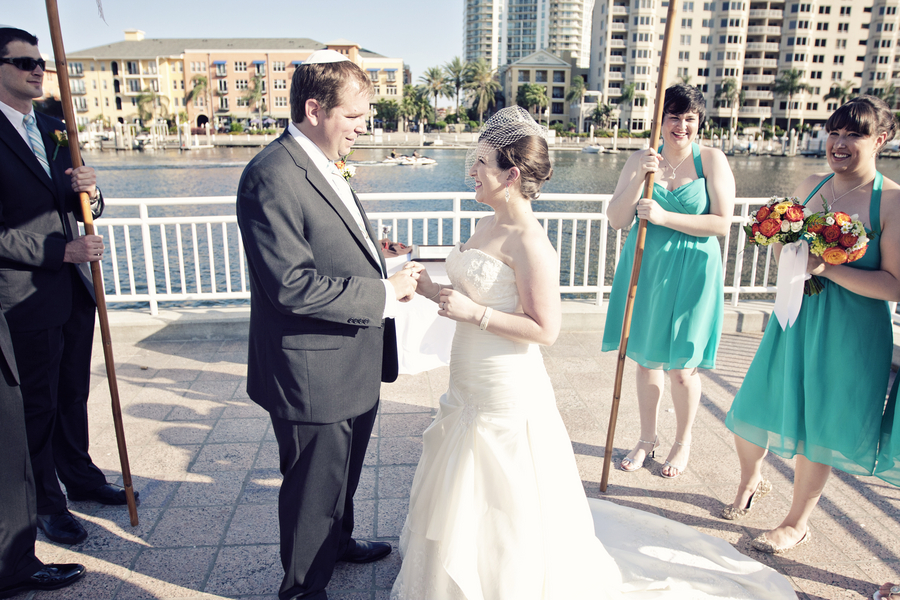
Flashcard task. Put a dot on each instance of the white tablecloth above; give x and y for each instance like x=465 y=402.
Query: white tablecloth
x=423 y=337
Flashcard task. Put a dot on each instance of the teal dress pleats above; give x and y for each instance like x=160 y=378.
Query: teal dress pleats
x=818 y=387
x=679 y=305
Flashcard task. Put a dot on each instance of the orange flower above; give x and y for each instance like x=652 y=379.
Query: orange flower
x=857 y=254
x=770 y=227
x=794 y=213
x=815 y=223
x=832 y=233
x=835 y=256
x=755 y=229
x=841 y=218
x=762 y=213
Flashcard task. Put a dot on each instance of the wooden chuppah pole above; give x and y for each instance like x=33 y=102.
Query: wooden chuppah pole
x=59 y=56
x=639 y=248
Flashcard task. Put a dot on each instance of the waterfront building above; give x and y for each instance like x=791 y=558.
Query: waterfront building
x=108 y=82
x=745 y=45
x=544 y=69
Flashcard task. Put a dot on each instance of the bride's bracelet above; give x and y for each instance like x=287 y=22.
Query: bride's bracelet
x=487 y=317
x=440 y=287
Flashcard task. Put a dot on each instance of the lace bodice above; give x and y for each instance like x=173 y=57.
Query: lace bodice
x=483 y=278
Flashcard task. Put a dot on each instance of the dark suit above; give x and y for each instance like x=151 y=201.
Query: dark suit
x=17 y=513
x=49 y=306
x=317 y=351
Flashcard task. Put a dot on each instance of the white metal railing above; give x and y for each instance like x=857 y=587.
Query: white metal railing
x=197 y=257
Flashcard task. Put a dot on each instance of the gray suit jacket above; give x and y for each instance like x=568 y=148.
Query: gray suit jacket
x=317 y=350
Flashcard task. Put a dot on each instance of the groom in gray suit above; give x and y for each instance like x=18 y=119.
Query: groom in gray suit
x=321 y=341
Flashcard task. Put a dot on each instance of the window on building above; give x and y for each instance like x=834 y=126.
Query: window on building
x=241 y=84
x=845 y=10
x=281 y=101
x=685 y=40
x=687 y=23
x=843 y=27
x=838 y=60
x=278 y=66
x=223 y=103
x=684 y=56
x=540 y=76
x=134 y=85
x=223 y=85
x=836 y=75
x=280 y=84
x=821 y=26
x=240 y=66
x=221 y=70
x=524 y=76
x=818 y=58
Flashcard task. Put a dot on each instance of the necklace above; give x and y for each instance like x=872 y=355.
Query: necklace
x=834 y=200
x=675 y=168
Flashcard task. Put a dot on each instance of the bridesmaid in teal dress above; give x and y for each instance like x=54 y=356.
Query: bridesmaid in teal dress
x=679 y=303
x=817 y=389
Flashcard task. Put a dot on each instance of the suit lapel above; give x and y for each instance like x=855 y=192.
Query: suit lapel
x=321 y=185
x=20 y=148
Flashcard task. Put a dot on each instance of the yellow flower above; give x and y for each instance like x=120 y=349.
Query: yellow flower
x=781 y=208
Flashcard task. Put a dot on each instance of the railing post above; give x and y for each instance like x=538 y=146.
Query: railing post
x=457 y=215
x=148 y=259
x=739 y=254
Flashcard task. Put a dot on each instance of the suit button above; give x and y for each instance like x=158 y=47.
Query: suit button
x=365 y=321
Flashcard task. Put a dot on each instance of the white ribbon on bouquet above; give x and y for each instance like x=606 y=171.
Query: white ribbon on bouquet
x=791 y=275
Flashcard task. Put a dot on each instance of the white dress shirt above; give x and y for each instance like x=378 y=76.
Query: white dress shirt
x=18 y=120
x=322 y=162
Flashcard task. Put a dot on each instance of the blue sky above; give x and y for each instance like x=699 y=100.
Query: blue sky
x=422 y=32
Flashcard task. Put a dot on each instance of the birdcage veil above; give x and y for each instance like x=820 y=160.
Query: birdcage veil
x=505 y=127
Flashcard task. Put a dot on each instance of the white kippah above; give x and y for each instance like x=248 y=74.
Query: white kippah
x=325 y=56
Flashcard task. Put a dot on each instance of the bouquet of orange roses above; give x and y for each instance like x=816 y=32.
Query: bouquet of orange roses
x=780 y=221
x=835 y=236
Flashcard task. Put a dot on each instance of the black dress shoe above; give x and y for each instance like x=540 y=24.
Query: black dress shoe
x=360 y=551
x=105 y=494
x=62 y=528
x=49 y=577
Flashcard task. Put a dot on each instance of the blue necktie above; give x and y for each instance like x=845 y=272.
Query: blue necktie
x=37 y=144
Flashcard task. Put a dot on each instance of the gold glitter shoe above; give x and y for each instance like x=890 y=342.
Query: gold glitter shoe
x=763 y=544
x=731 y=513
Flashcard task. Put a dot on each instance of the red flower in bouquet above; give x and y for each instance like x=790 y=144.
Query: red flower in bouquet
x=835 y=256
x=762 y=214
x=770 y=227
x=848 y=240
x=779 y=221
x=832 y=233
x=841 y=218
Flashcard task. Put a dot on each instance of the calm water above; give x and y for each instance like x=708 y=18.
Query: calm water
x=216 y=172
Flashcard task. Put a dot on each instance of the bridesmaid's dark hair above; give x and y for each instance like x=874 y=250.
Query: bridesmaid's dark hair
x=681 y=99
x=866 y=115
x=532 y=157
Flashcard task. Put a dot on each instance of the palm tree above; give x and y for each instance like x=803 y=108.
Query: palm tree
x=890 y=95
x=255 y=96
x=482 y=85
x=685 y=79
x=148 y=101
x=629 y=95
x=730 y=93
x=415 y=102
x=533 y=97
x=576 y=92
x=458 y=75
x=437 y=84
x=201 y=89
x=789 y=84
x=840 y=92
x=602 y=114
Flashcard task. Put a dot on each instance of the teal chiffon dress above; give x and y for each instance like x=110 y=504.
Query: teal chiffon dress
x=818 y=388
x=888 y=466
x=679 y=305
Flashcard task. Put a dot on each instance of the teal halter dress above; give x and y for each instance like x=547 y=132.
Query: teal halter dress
x=679 y=306
x=818 y=388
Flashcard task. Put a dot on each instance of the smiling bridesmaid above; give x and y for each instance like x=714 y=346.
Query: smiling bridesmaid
x=817 y=389
x=678 y=308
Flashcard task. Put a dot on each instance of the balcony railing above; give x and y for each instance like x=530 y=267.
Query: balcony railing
x=763 y=30
x=200 y=258
x=758 y=78
x=763 y=47
x=761 y=62
x=763 y=13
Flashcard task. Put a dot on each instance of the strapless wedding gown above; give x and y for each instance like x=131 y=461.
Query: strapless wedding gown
x=497 y=509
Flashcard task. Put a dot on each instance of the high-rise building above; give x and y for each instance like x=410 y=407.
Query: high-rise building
x=504 y=31
x=745 y=46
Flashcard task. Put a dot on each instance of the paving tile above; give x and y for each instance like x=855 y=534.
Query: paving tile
x=239 y=430
x=244 y=570
x=189 y=527
x=218 y=488
x=170 y=573
x=253 y=524
x=262 y=487
x=225 y=457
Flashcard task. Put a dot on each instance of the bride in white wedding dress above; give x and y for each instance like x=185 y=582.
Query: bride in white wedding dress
x=497 y=509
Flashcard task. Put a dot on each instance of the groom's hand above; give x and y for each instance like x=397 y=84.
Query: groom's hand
x=404 y=282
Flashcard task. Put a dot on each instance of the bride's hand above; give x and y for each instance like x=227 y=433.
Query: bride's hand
x=459 y=307
x=426 y=287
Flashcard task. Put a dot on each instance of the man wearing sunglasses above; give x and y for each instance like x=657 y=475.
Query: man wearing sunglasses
x=46 y=291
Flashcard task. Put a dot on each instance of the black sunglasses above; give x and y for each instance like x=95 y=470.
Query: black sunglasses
x=26 y=63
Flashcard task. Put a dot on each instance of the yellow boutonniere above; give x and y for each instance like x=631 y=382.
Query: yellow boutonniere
x=62 y=141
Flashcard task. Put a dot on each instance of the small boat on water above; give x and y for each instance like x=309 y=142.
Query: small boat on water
x=416 y=161
x=593 y=149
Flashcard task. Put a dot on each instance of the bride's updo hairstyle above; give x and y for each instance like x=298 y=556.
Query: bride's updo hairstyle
x=521 y=143
x=866 y=115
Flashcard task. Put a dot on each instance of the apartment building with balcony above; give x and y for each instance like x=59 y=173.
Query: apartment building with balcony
x=107 y=81
x=830 y=42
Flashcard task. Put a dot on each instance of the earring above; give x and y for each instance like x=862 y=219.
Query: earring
x=507 y=192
